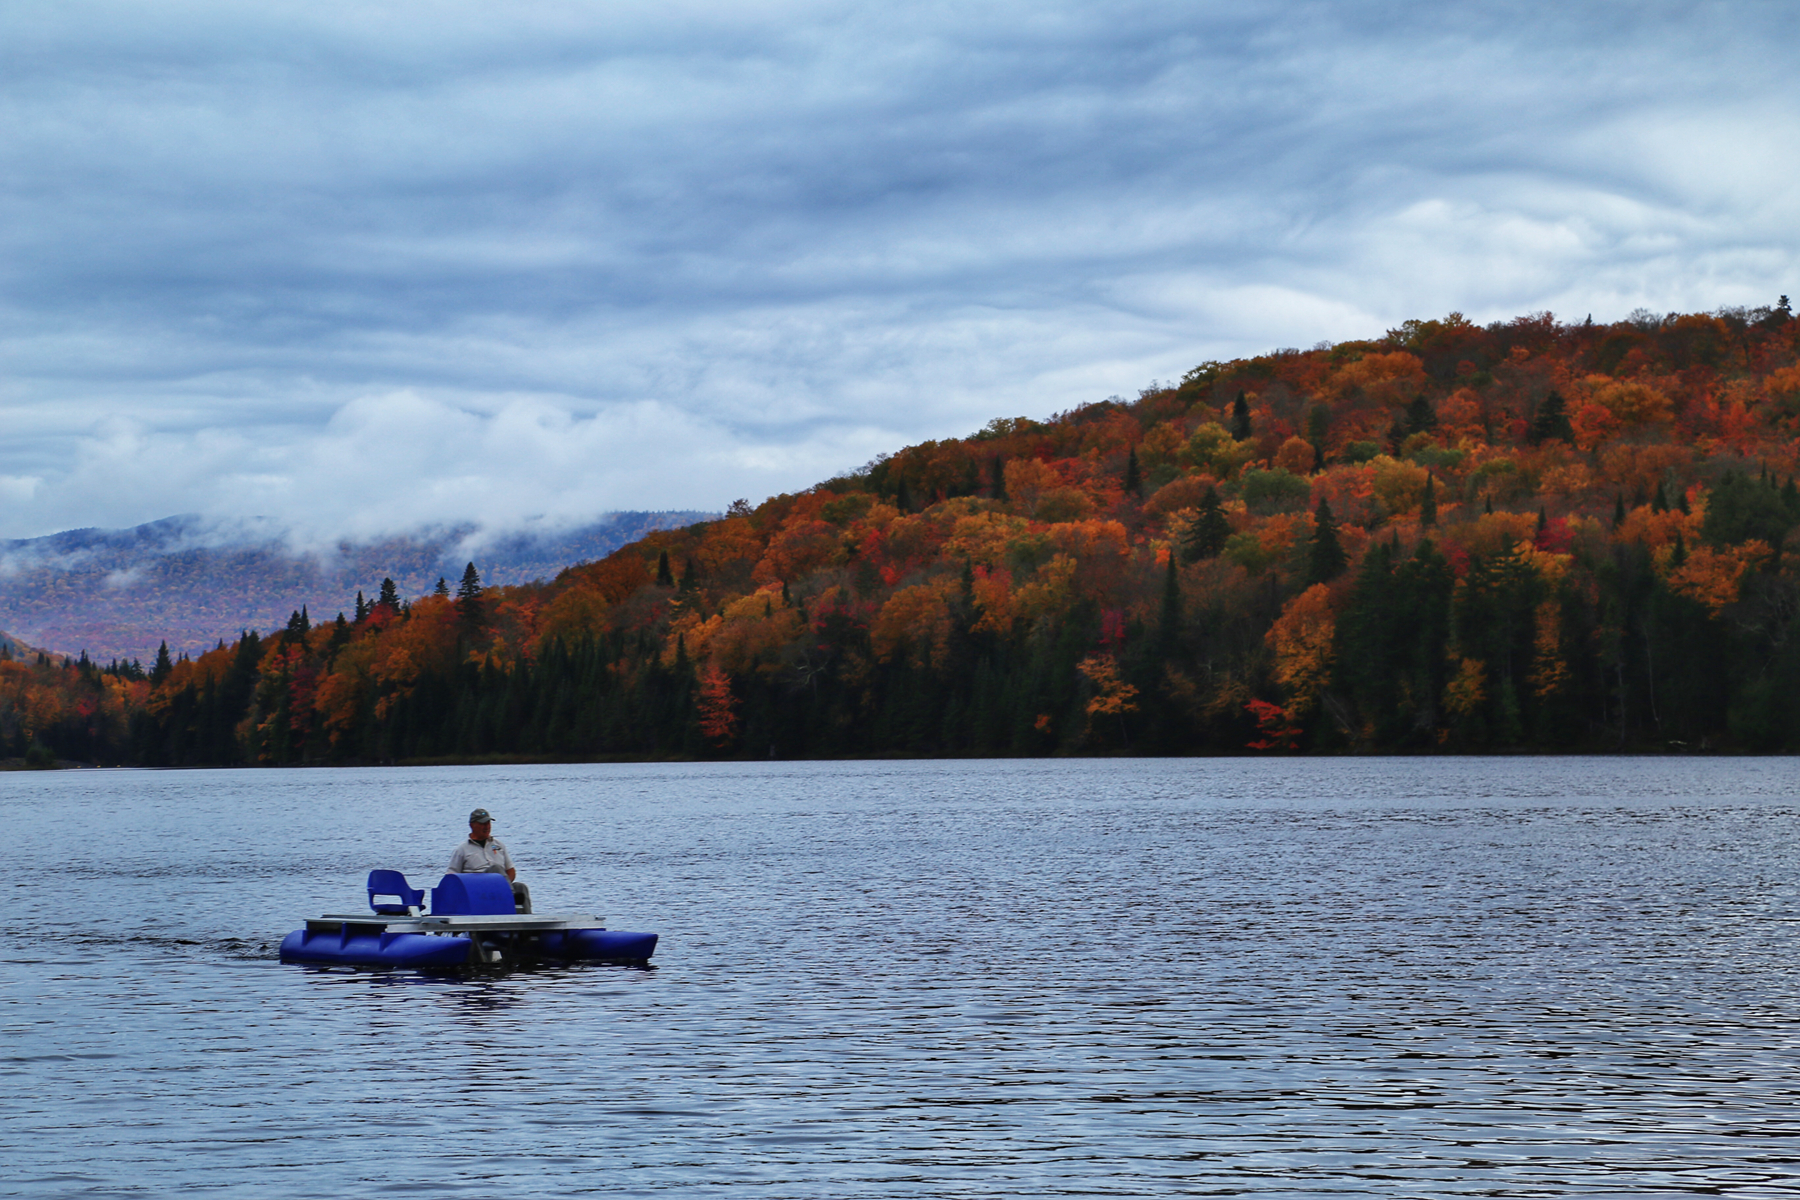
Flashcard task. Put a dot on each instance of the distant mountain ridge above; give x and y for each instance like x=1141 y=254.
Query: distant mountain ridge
x=117 y=593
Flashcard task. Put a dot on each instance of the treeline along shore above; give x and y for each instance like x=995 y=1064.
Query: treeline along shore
x=1525 y=536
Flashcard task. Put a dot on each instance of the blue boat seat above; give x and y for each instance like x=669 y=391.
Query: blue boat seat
x=472 y=894
x=393 y=883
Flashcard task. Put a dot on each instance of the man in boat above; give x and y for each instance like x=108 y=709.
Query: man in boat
x=484 y=854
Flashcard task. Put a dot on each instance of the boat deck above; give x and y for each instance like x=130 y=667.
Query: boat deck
x=519 y=923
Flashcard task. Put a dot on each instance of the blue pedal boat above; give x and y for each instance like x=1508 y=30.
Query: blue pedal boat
x=471 y=923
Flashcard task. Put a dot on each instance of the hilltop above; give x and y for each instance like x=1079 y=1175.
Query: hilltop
x=1524 y=535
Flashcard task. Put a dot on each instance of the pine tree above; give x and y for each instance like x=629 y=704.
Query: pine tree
x=664 y=576
x=1327 y=560
x=164 y=666
x=442 y=588
x=1659 y=503
x=362 y=610
x=902 y=497
x=1318 y=424
x=1168 y=630
x=469 y=605
x=1551 y=421
x=1240 y=418
x=1428 y=505
x=1134 y=481
x=1618 y=509
x=389 y=597
x=999 y=477
x=1419 y=417
x=1396 y=435
x=1208 y=533
x=689 y=579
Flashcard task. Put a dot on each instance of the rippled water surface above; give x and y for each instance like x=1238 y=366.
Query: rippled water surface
x=1371 y=977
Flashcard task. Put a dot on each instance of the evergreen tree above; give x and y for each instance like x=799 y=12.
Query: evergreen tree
x=1551 y=421
x=1240 y=418
x=1392 y=639
x=1428 y=505
x=469 y=604
x=1168 y=629
x=362 y=610
x=902 y=497
x=1618 y=509
x=164 y=666
x=1207 y=533
x=664 y=576
x=689 y=579
x=442 y=588
x=389 y=597
x=1419 y=417
x=1327 y=560
x=1134 y=480
x=999 y=477
x=1397 y=435
x=1659 y=502
x=1318 y=425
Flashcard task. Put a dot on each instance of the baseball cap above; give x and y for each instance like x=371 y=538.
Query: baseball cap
x=480 y=817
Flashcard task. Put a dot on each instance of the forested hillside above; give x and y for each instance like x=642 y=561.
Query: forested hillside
x=184 y=581
x=1528 y=535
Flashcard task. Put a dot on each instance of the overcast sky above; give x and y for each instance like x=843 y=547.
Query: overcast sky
x=363 y=266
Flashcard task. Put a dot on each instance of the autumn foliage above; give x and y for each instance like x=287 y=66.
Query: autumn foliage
x=1528 y=534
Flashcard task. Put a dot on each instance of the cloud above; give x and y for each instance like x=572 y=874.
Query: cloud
x=364 y=266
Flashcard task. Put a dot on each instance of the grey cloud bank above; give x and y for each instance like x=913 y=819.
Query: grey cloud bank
x=361 y=269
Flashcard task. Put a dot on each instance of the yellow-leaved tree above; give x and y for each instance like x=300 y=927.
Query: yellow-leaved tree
x=1302 y=641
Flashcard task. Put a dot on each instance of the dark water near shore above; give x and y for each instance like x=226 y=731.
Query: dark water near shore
x=1373 y=977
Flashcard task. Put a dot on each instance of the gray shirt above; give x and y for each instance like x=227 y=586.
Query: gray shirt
x=490 y=859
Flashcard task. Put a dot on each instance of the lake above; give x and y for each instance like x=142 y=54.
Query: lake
x=1358 y=977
